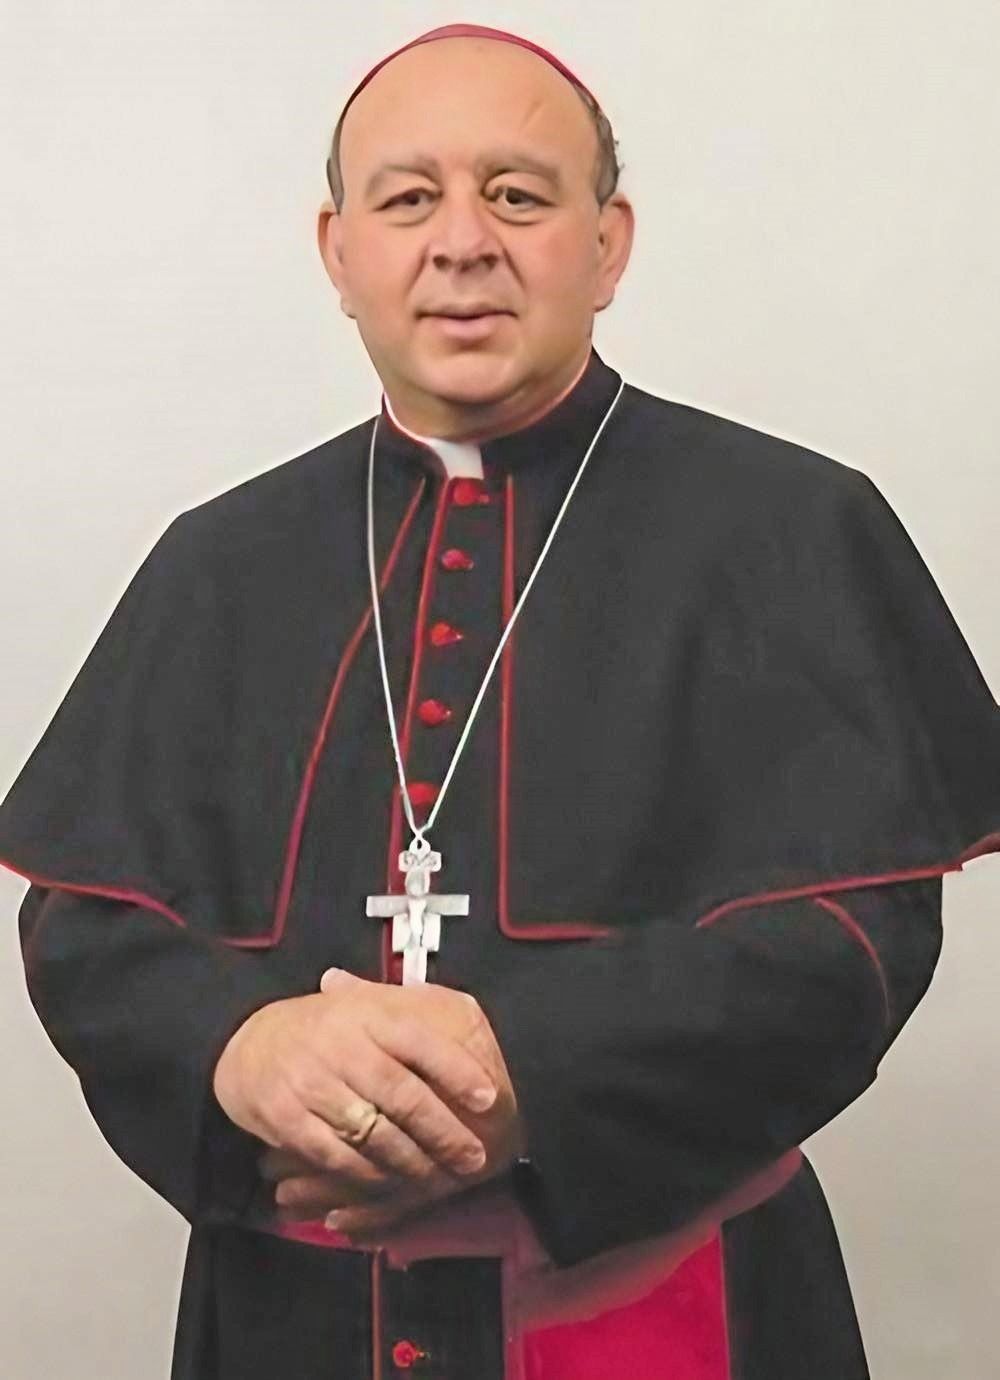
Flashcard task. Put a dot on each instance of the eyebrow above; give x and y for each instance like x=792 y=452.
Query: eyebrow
x=500 y=160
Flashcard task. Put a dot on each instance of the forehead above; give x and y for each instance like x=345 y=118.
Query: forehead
x=468 y=100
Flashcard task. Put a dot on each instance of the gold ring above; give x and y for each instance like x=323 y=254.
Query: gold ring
x=360 y=1118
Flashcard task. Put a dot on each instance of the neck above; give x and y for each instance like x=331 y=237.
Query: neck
x=477 y=424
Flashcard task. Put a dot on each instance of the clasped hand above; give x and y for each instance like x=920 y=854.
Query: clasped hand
x=425 y=1055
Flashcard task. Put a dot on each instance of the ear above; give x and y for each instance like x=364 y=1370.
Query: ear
x=329 y=237
x=616 y=227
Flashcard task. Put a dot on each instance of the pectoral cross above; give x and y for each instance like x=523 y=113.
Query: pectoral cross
x=416 y=915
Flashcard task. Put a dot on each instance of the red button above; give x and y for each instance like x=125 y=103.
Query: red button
x=456 y=559
x=405 y=1355
x=468 y=492
x=443 y=635
x=433 y=712
x=422 y=796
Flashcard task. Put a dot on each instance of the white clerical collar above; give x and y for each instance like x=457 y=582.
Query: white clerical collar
x=461 y=459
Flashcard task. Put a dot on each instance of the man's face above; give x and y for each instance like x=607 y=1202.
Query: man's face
x=471 y=220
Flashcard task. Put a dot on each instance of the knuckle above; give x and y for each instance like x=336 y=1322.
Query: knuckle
x=312 y=1085
x=395 y=1082
x=478 y=1023
x=317 y=1148
x=277 y=1113
x=403 y=1092
x=423 y=1172
x=399 y=1156
x=405 y=1032
x=416 y=1167
x=358 y=1060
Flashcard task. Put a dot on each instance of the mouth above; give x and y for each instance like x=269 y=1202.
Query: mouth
x=469 y=327
x=467 y=315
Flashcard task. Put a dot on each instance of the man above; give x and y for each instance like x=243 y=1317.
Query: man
x=699 y=783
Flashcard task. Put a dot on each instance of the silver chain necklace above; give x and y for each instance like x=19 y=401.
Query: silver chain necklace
x=416 y=914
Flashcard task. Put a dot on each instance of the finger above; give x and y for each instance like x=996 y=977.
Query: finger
x=387 y=1148
x=275 y=1164
x=394 y=1152
x=356 y=1172
x=313 y=1142
x=413 y=1109
x=463 y=1073
x=307 y=1198
x=315 y=1132
x=317 y=1194
x=307 y=1212
x=459 y=1074
x=366 y=1222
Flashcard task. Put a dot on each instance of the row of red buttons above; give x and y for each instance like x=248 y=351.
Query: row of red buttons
x=465 y=493
x=433 y=712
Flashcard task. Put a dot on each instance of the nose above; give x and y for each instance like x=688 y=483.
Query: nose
x=463 y=231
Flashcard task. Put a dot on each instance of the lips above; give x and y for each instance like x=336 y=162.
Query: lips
x=468 y=329
x=469 y=313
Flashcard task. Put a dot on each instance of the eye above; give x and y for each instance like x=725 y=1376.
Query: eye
x=517 y=191
x=413 y=191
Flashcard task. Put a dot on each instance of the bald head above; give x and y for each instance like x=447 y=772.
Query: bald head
x=445 y=83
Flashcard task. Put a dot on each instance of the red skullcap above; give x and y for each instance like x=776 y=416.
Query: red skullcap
x=469 y=31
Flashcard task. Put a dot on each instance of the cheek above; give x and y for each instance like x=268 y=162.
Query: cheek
x=561 y=268
x=381 y=275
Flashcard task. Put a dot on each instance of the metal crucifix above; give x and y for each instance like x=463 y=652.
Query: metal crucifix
x=416 y=914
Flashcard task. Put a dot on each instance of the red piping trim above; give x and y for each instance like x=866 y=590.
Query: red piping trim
x=812 y=888
x=724 y=1304
x=114 y=893
x=423 y=607
x=305 y=791
x=561 y=929
x=990 y=843
x=375 y=1277
x=854 y=928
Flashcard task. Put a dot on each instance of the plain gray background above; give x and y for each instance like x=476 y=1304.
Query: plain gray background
x=815 y=187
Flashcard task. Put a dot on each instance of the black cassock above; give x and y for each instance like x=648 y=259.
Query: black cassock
x=736 y=731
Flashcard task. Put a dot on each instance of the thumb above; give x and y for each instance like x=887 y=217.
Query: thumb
x=335 y=978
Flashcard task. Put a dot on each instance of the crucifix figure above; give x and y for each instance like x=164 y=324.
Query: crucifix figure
x=416 y=915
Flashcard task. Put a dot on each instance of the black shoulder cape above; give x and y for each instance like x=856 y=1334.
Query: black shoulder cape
x=735 y=669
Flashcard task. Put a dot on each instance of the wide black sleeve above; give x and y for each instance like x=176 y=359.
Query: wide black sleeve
x=141 y=1009
x=657 y=1071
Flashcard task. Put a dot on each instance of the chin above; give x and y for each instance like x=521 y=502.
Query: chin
x=469 y=376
